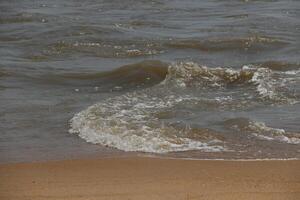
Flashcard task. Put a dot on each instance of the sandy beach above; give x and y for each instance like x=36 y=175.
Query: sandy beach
x=150 y=178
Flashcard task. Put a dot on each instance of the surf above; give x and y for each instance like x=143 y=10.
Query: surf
x=146 y=120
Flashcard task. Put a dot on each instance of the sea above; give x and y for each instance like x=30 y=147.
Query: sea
x=214 y=79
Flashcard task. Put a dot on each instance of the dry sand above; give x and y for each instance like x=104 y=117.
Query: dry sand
x=150 y=178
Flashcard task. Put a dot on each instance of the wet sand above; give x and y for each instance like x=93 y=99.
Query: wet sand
x=150 y=178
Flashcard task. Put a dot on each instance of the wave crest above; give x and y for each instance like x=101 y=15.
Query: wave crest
x=262 y=131
x=192 y=74
x=146 y=120
x=269 y=84
x=252 y=42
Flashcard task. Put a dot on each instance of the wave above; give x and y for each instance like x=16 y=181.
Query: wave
x=147 y=120
x=16 y=19
x=142 y=74
x=269 y=85
x=140 y=48
x=3 y=73
x=130 y=123
x=151 y=69
x=280 y=65
x=105 y=49
x=245 y=43
x=24 y=17
x=262 y=131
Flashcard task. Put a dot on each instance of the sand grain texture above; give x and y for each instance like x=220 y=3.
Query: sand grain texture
x=150 y=178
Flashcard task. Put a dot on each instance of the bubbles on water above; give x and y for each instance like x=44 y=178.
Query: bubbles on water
x=146 y=120
x=105 y=49
x=269 y=85
x=261 y=131
x=128 y=123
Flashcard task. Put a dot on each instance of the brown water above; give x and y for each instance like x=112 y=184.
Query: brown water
x=192 y=79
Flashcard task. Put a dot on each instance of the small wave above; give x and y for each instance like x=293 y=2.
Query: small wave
x=142 y=74
x=3 y=73
x=24 y=17
x=280 y=65
x=17 y=19
x=142 y=70
x=262 y=131
x=145 y=23
x=105 y=49
x=237 y=16
x=248 y=43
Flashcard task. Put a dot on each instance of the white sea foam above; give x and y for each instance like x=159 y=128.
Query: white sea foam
x=270 y=85
x=262 y=131
x=129 y=122
x=292 y=72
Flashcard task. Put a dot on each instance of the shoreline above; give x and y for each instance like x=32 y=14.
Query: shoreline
x=146 y=178
x=130 y=155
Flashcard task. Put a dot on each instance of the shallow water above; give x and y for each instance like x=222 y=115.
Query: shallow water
x=213 y=79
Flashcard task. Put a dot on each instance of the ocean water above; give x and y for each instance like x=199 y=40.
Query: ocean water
x=208 y=79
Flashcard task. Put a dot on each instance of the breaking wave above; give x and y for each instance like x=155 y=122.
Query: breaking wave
x=262 y=131
x=147 y=120
x=130 y=122
x=268 y=84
